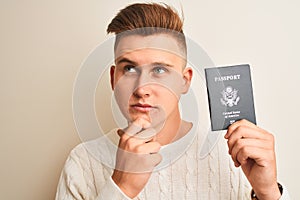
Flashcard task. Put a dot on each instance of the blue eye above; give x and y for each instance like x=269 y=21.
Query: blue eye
x=159 y=70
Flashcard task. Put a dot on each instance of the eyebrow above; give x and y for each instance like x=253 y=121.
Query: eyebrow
x=126 y=60
x=163 y=64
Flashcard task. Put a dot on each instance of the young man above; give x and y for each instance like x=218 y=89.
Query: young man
x=158 y=153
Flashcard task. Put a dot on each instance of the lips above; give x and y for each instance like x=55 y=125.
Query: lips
x=142 y=107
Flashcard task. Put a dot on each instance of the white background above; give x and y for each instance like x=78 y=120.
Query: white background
x=43 y=44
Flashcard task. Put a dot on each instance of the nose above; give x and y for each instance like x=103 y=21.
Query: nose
x=143 y=86
x=142 y=92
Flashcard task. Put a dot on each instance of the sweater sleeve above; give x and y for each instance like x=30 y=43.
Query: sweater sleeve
x=77 y=180
x=285 y=194
x=247 y=189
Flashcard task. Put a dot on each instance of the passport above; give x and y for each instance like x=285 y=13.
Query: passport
x=230 y=95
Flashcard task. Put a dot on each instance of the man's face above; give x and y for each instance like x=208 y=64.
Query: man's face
x=149 y=77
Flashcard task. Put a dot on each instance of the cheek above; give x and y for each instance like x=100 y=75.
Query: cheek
x=167 y=98
x=125 y=85
x=173 y=82
x=123 y=90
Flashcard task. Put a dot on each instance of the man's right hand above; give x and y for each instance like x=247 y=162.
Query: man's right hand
x=137 y=156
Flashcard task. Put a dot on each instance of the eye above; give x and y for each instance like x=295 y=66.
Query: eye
x=129 y=69
x=159 y=70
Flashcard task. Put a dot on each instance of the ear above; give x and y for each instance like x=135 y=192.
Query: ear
x=187 y=77
x=112 y=77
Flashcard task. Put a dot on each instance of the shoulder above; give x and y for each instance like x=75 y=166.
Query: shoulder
x=77 y=159
x=93 y=152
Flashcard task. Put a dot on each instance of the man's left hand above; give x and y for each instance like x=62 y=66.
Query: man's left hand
x=252 y=148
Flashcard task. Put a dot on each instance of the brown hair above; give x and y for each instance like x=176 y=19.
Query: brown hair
x=148 y=19
x=143 y=15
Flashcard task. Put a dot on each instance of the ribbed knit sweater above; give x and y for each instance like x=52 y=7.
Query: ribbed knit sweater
x=190 y=174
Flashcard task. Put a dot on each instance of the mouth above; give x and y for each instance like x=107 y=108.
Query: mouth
x=142 y=107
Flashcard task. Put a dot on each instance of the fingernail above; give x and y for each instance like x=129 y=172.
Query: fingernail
x=226 y=135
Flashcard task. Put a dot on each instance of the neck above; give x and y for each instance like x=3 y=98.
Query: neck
x=173 y=129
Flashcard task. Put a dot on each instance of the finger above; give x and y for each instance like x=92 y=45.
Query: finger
x=242 y=132
x=246 y=132
x=131 y=143
x=140 y=138
x=236 y=124
x=148 y=148
x=261 y=156
x=133 y=129
x=156 y=158
x=246 y=143
x=136 y=126
x=146 y=134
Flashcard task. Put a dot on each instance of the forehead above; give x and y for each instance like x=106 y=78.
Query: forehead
x=156 y=42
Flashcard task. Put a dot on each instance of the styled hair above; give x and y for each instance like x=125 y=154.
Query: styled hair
x=148 y=19
x=141 y=15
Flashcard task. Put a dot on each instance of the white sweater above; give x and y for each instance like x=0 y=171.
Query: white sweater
x=189 y=170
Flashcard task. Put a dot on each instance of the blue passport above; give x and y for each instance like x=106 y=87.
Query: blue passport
x=230 y=95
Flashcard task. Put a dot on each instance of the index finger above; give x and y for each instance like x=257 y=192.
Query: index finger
x=146 y=134
x=135 y=127
x=236 y=124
